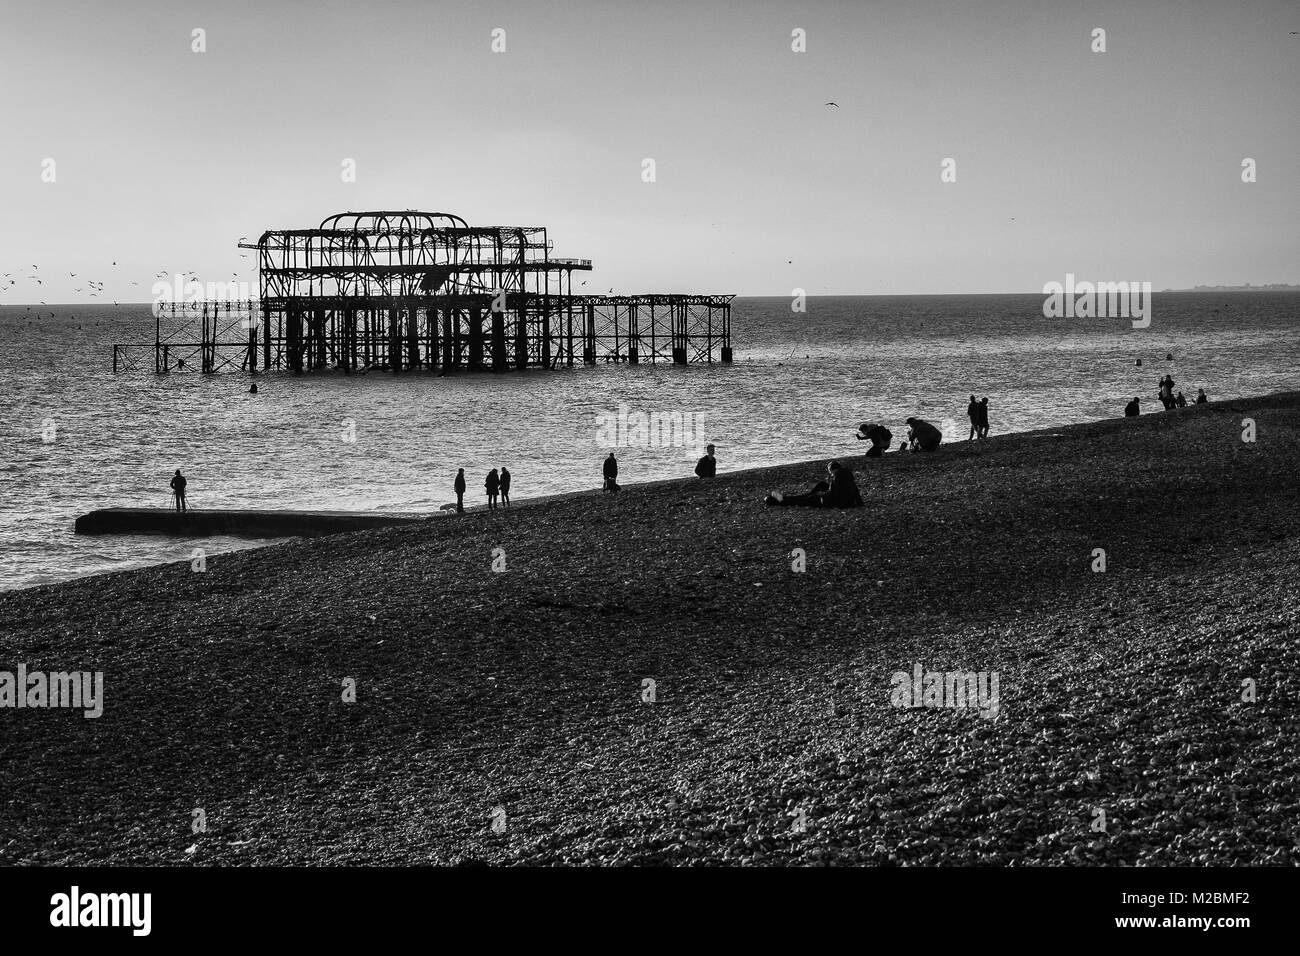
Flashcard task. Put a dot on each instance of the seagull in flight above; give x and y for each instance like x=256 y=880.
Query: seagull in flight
x=836 y=105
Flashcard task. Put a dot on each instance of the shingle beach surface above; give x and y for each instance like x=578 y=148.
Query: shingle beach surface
x=771 y=737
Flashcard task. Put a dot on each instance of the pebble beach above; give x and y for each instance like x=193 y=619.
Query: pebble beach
x=679 y=675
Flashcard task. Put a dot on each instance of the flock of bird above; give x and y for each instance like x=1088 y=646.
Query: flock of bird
x=95 y=286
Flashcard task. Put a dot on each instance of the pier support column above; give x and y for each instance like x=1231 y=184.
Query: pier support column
x=498 y=341
x=412 y=338
x=448 y=361
x=476 y=338
x=589 y=336
x=521 y=335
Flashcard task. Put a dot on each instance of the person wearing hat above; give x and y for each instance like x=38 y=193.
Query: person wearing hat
x=707 y=466
x=879 y=435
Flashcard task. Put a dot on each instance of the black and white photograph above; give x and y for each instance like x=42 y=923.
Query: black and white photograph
x=826 y=453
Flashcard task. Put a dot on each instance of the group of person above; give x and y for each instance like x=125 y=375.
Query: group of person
x=496 y=484
x=921 y=436
x=706 y=467
x=978 y=413
x=1167 y=398
x=840 y=488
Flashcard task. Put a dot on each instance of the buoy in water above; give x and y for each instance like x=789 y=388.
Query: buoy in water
x=1138 y=362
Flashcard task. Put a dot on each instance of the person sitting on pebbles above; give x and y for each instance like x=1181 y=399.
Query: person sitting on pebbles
x=879 y=435
x=922 y=435
x=840 y=492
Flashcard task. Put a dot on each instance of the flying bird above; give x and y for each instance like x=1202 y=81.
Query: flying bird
x=836 y=105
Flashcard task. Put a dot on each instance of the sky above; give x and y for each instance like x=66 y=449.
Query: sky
x=1123 y=165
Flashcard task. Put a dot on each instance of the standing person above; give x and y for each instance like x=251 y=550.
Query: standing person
x=1167 y=392
x=493 y=485
x=983 y=417
x=973 y=413
x=178 y=489
x=459 y=485
x=505 y=486
x=611 y=473
x=707 y=466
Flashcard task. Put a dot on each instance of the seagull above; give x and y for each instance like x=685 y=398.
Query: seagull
x=836 y=105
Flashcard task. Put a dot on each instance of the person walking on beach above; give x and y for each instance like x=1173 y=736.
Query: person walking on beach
x=493 y=485
x=611 y=473
x=983 y=418
x=973 y=413
x=1131 y=410
x=707 y=466
x=178 y=489
x=459 y=485
x=505 y=486
x=923 y=435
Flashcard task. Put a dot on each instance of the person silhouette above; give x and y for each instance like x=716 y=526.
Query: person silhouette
x=923 y=435
x=983 y=417
x=610 y=471
x=178 y=489
x=707 y=466
x=493 y=485
x=459 y=485
x=973 y=413
x=1200 y=397
x=505 y=486
x=1132 y=410
x=880 y=437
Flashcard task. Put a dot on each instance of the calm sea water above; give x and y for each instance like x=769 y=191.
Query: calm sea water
x=798 y=388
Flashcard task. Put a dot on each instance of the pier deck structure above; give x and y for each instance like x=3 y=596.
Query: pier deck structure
x=402 y=291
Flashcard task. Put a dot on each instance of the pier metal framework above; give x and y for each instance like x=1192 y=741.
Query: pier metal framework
x=413 y=290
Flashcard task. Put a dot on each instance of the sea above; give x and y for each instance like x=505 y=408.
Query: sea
x=74 y=436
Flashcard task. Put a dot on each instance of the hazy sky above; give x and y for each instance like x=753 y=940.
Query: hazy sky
x=1123 y=165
